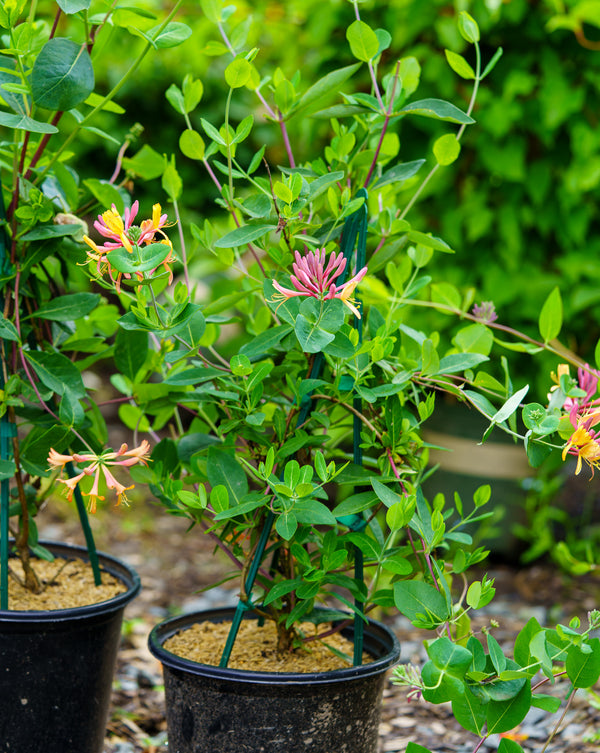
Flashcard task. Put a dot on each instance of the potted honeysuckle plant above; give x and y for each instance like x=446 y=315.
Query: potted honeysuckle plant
x=276 y=364
x=61 y=605
x=301 y=374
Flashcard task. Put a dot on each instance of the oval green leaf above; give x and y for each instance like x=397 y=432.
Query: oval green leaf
x=62 y=75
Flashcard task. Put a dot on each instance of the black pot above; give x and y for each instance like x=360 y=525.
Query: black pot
x=57 y=667
x=211 y=709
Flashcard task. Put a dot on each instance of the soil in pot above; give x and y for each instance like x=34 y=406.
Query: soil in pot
x=255 y=647
x=66 y=583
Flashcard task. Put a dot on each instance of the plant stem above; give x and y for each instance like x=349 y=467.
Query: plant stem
x=388 y=115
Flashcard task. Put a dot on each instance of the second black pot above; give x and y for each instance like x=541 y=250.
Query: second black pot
x=57 y=667
x=211 y=709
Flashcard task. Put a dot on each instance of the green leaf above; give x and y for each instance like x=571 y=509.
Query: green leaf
x=7 y=469
x=468 y=28
x=496 y=654
x=421 y=602
x=457 y=362
x=399 y=173
x=105 y=193
x=492 y=64
x=245 y=234
x=24 y=123
x=131 y=349
x=147 y=163
x=469 y=712
x=446 y=149
x=67 y=308
x=583 y=669
x=171 y=35
x=328 y=84
x=286 y=525
x=171 y=180
x=223 y=468
x=264 y=342
x=415 y=748
x=363 y=41
x=152 y=255
x=503 y=716
x=191 y=144
x=459 y=65
x=73 y=6
x=56 y=372
x=62 y=75
x=510 y=406
x=317 y=323
x=8 y=331
x=549 y=703
x=438 y=109
x=551 y=316
x=238 y=72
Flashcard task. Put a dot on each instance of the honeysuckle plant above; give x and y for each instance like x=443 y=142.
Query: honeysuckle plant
x=54 y=326
x=277 y=360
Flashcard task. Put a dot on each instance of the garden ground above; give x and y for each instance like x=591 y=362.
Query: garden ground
x=176 y=566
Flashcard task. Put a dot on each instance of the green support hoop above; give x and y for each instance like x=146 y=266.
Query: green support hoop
x=354 y=234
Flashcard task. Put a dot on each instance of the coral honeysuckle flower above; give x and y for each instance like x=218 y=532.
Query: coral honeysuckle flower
x=120 y=232
x=97 y=463
x=312 y=279
x=584 y=443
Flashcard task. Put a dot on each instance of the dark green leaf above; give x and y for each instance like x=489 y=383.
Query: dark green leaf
x=62 y=75
x=131 y=349
x=245 y=234
x=67 y=308
x=438 y=109
x=56 y=372
x=224 y=469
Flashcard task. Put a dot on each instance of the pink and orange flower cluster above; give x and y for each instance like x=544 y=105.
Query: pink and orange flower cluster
x=120 y=232
x=99 y=464
x=313 y=279
x=584 y=413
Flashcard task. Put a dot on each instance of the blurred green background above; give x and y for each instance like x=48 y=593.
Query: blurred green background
x=519 y=206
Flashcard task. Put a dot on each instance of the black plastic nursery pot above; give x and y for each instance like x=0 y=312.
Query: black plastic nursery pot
x=212 y=709
x=57 y=668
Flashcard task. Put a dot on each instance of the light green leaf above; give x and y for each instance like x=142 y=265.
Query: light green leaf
x=551 y=316
x=172 y=35
x=238 y=72
x=24 y=123
x=8 y=331
x=446 y=149
x=363 y=41
x=73 y=6
x=459 y=65
x=105 y=193
x=510 y=406
x=191 y=144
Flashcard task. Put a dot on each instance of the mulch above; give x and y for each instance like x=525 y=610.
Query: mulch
x=175 y=569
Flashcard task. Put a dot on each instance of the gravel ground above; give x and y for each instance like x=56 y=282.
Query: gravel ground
x=174 y=571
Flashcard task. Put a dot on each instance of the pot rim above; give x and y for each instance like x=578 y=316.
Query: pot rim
x=376 y=631
x=116 y=567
